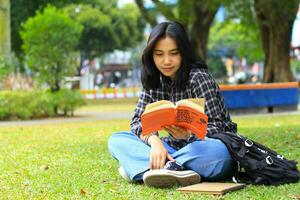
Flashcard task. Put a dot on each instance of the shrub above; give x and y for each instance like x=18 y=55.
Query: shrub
x=66 y=101
x=4 y=105
x=38 y=104
x=42 y=106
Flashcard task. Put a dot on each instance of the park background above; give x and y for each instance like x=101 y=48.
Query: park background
x=70 y=75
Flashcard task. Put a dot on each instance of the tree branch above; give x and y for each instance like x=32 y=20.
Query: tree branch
x=165 y=10
x=145 y=13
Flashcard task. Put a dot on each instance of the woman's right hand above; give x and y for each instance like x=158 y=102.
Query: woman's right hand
x=158 y=153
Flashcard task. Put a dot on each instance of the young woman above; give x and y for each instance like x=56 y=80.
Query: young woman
x=171 y=71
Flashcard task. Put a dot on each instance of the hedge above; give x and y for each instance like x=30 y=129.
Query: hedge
x=38 y=104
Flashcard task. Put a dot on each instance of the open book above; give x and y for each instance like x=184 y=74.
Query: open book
x=187 y=113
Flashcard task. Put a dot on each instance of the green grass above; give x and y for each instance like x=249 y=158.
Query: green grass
x=127 y=105
x=71 y=161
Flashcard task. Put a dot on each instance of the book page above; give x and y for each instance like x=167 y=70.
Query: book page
x=197 y=103
x=158 y=105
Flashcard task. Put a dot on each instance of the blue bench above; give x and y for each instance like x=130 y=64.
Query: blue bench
x=268 y=96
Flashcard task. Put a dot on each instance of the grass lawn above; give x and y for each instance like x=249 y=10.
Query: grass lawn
x=71 y=161
x=119 y=105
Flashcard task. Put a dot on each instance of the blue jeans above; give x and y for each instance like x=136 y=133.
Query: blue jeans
x=209 y=158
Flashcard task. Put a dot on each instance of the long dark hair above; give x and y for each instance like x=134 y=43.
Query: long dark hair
x=150 y=76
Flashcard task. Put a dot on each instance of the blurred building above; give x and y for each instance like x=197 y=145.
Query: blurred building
x=295 y=43
x=115 y=70
x=296 y=31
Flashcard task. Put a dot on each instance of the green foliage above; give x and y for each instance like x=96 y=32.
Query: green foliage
x=295 y=65
x=239 y=40
x=24 y=105
x=241 y=24
x=21 y=10
x=6 y=67
x=66 y=101
x=129 y=18
x=241 y=10
x=216 y=65
x=38 y=104
x=106 y=29
x=41 y=104
x=50 y=39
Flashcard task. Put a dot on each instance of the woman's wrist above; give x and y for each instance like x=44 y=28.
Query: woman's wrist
x=181 y=137
x=152 y=138
x=147 y=137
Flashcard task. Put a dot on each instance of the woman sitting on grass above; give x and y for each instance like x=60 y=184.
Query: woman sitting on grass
x=171 y=71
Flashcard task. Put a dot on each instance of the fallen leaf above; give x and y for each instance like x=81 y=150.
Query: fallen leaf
x=297 y=197
x=186 y=195
x=83 y=191
x=44 y=167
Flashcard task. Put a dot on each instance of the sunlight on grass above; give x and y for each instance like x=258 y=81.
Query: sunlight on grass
x=70 y=161
x=99 y=105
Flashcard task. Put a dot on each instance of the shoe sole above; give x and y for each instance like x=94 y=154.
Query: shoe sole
x=123 y=174
x=167 y=178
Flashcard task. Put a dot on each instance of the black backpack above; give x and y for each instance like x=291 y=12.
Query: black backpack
x=256 y=163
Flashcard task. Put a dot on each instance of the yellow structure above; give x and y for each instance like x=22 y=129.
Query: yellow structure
x=5 y=43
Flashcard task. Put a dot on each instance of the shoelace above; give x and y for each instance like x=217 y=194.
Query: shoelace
x=171 y=165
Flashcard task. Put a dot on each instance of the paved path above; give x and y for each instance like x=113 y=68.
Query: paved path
x=95 y=116
x=79 y=117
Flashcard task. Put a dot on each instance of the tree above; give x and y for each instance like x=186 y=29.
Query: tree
x=204 y=14
x=275 y=19
x=96 y=29
x=233 y=38
x=50 y=38
x=21 y=10
x=106 y=29
x=196 y=15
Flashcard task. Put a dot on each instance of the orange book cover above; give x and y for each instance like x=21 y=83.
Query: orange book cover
x=188 y=113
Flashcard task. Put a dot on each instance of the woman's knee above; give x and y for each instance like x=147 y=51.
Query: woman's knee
x=116 y=139
x=212 y=169
x=122 y=140
x=209 y=158
x=207 y=148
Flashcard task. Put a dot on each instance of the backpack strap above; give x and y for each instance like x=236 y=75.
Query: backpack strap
x=264 y=162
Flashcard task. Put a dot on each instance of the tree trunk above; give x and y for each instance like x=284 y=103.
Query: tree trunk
x=55 y=83
x=275 y=19
x=265 y=33
x=199 y=39
x=5 y=44
x=204 y=15
x=278 y=60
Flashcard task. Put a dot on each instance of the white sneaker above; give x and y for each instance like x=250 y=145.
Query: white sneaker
x=124 y=174
x=167 y=178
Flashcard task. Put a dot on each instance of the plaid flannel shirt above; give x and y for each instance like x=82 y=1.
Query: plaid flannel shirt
x=201 y=84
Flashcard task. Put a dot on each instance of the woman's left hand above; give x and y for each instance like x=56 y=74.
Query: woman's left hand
x=178 y=132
